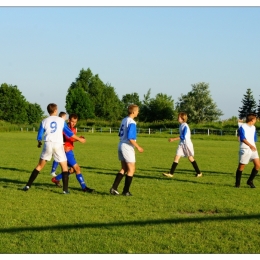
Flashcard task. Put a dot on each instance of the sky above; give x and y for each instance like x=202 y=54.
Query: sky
x=133 y=48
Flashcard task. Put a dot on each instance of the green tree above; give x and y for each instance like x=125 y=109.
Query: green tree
x=12 y=104
x=198 y=104
x=78 y=101
x=129 y=99
x=34 y=113
x=157 y=109
x=249 y=105
x=105 y=102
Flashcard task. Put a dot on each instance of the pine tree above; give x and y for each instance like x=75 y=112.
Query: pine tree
x=249 y=105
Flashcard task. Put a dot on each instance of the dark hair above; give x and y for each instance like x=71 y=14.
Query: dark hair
x=51 y=108
x=61 y=114
x=73 y=115
x=250 y=117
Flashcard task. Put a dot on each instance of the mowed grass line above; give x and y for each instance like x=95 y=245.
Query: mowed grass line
x=181 y=215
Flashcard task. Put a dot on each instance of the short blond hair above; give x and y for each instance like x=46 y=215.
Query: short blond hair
x=132 y=108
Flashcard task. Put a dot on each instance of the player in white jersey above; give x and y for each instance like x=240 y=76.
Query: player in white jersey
x=126 y=152
x=51 y=130
x=247 y=150
x=185 y=147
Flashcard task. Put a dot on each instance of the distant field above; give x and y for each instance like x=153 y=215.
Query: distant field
x=165 y=216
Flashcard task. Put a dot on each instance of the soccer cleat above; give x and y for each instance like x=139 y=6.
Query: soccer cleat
x=65 y=192
x=88 y=190
x=114 y=192
x=53 y=174
x=251 y=184
x=26 y=188
x=237 y=185
x=57 y=183
x=167 y=174
x=199 y=174
x=127 y=193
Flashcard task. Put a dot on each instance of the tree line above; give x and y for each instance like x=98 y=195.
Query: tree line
x=90 y=98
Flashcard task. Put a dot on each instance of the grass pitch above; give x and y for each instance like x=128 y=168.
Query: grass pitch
x=181 y=215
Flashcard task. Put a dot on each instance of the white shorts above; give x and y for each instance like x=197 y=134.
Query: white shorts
x=53 y=149
x=246 y=155
x=126 y=153
x=185 y=150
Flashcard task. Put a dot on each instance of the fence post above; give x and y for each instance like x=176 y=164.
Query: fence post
x=149 y=131
x=92 y=130
x=110 y=130
x=21 y=129
x=33 y=129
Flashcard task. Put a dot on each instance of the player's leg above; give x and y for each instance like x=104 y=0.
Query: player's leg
x=129 y=178
x=195 y=166
x=118 y=178
x=244 y=158
x=54 y=168
x=121 y=173
x=34 y=174
x=253 y=172
x=174 y=166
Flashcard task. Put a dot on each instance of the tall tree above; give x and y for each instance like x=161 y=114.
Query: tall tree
x=249 y=105
x=105 y=101
x=34 y=113
x=12 y=104
x=198 y=104
x=78 y=101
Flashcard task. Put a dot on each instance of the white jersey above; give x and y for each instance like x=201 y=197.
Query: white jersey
x=127 y=130
x=249 y=133
x=51 y=130
x=185 y=135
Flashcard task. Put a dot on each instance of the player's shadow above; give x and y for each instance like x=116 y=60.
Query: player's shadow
x=141 y=223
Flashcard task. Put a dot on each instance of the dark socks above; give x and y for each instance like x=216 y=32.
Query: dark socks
x=174 y=165
x=238 y=177
x=118 y=179
x=128 y=181
x=252 y=175
x=33 y=176
x=195 y=166
x=65 y=181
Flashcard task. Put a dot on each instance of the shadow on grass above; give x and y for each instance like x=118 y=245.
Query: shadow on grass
x=14 y=169
x=129 y=223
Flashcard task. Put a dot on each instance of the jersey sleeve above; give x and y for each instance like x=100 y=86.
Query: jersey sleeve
x=131 y=134
x=183 y=133
x=242 y=134
x=256 y=137
x=67 y=131
x=40 y=133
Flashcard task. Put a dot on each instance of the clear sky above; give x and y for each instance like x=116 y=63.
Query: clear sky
x=162 y=48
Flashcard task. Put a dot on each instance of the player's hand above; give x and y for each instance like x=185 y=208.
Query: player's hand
x=39 y=144
x=171 y=139
x=82 y=140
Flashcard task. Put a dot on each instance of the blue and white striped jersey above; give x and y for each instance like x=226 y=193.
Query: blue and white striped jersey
x=127 y=130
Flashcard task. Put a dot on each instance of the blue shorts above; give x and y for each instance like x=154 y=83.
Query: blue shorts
x=70 y=158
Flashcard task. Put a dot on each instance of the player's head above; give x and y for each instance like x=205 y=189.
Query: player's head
x=63 y=115
x=52 y=109
x=183 y=116
x=73 y=119
x=133 y=109
x=251 y=117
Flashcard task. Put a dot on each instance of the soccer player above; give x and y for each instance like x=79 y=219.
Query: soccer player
x=185 y=147
x=126 y=152
x=55 y=164
x=69 y=146
x=248 y=151
x=51 y=129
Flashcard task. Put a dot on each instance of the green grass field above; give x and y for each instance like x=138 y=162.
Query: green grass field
x=181 y=215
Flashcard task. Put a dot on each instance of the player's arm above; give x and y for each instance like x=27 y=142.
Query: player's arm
x=131 y=135
x=174 y=139
x=70 y=134
x=40 y=135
